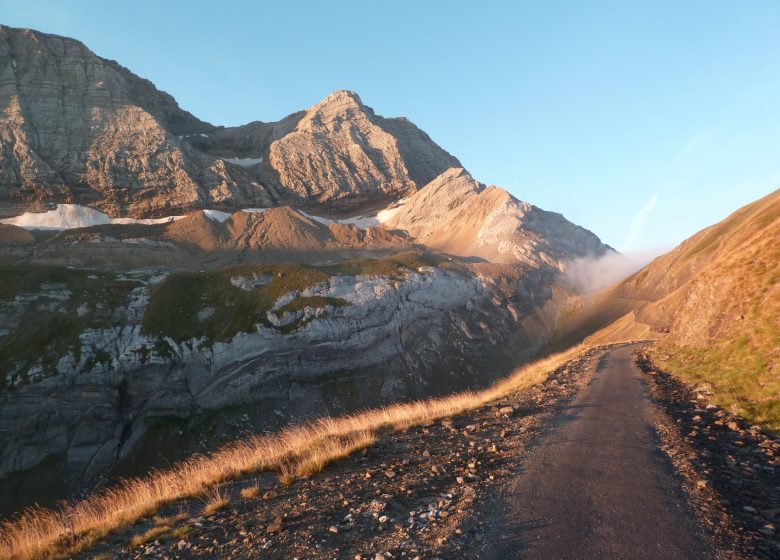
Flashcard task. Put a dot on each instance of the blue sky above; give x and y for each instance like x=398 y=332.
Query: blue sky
x=642 y=121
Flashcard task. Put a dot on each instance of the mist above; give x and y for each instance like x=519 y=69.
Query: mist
x=590 y=274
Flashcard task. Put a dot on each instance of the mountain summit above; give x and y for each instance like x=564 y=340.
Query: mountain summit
x=77 y=128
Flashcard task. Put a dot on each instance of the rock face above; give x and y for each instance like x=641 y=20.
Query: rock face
x=341 y=151
x=392 y=337
x=456 y=214
x=78 y=128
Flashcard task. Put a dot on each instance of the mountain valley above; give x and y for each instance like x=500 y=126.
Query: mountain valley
x=322 y=337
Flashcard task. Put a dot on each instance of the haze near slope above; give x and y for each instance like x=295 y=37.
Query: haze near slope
x=715 y=303
x=75 y=127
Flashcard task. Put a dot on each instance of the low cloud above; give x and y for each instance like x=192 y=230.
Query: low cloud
x=590 y=274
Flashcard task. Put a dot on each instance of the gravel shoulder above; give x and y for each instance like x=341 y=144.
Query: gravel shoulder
x=730 y=469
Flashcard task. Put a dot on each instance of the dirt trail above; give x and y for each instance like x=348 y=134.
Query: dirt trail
x=597 y=486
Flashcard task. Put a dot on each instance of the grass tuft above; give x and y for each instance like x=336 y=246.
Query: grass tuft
x=250 y=492
x=152 y=534
x=215 y=501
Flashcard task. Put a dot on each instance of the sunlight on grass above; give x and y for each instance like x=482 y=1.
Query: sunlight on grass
x=294 y=452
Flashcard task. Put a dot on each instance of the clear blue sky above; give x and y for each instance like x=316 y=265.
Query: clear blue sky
x=642 y=121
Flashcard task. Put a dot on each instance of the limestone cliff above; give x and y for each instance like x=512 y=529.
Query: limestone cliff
x=142 y=362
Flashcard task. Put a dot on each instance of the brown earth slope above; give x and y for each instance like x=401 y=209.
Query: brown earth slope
x=714 y=301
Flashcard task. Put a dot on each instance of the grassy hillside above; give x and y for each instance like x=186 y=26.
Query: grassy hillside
x=714 y=304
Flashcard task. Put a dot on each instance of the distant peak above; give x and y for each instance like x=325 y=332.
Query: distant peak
x=340 y=101
x=454 y=172
x=340 y=96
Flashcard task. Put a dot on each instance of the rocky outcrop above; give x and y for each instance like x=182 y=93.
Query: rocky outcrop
x=341 y=151
x=389 y=338
x=456 y=214
x=77 y=128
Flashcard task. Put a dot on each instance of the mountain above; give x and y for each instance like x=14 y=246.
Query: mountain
x=77 y=128
x=168 y=285
x=714 y=304
x=456 y=214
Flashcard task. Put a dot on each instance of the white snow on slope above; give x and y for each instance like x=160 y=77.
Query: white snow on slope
x=217 y=215
x=362 y=222
x=320 y=219
x=65 y=216
x=70 y=216
x=244 y=162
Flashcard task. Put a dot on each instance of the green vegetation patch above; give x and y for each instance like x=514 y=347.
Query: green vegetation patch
x=73 y=300
x=177 y=304
x=152 y=534
x=393 y=265
x=206 y=305
x=741 y=372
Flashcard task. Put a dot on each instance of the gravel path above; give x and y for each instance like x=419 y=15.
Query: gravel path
x=597 y=485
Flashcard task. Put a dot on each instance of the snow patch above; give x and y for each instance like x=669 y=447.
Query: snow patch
x=320 y=219
x=70 y=216
x=362 y=222
x=146 y=221
x=385 y=215
x=65 y=216
x=216 y=215
x=243 y=162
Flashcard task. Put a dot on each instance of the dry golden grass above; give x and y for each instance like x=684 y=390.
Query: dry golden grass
x=286 y=474
x=150 y=535
x=294 y=452
x=250 y=492
x=171 y=519
x=215 y=501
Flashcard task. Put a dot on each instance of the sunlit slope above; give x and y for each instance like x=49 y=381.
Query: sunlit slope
x=714 y=302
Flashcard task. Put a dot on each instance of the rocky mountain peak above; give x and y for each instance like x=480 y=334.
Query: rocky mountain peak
x=339 y=98
x=456 y=214
x=78 y=128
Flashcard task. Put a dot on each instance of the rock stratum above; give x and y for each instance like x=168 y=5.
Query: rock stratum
x=135 y=365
